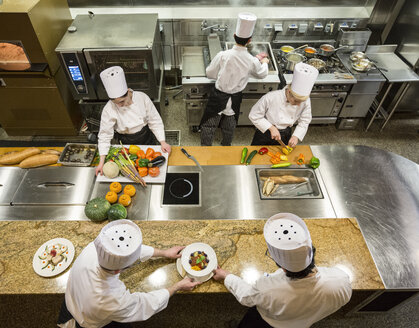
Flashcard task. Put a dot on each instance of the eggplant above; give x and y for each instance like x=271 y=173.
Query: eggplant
x=158 y=161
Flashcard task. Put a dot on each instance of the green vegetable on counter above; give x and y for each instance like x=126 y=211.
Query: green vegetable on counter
x=244 y=154
x=314 y=162
x=275 y=166
x=252 y=154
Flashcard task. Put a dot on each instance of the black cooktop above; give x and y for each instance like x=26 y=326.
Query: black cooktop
x=181 y=188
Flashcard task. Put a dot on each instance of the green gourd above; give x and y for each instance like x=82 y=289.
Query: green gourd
x=97 y=209
x=117 y=212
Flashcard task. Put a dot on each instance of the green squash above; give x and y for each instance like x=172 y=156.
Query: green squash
x=97 y=209
x=117 y=212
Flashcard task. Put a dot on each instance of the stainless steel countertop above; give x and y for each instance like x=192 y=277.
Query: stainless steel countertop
x=381 y=190
x=385 y=57
x=374 y=75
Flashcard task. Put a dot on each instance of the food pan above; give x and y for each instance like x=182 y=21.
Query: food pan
x=78 y=154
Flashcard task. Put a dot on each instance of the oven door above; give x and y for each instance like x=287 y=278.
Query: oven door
x=325 y=104
x=136 y=63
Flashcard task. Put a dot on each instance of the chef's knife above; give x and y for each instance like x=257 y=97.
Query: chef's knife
x=282 y=144
x=192 y=158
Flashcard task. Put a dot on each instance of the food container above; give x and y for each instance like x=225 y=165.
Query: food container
x=310 y=52
x=78 y=154
x=317 y=63
x=284 y=50
x=292 y=60
x=202 y=275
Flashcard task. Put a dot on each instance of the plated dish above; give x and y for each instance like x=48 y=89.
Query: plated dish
x=198 y=260
x=53 y=257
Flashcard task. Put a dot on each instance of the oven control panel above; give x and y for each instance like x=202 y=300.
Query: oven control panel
x=75 y=73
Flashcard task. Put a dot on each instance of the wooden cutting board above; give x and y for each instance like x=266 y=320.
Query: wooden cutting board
x=219 y=155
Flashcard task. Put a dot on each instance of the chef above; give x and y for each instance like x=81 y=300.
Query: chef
x=231 y=70
x=130 y=113
x=277 y=111
x=95 y=297
x=298 y=293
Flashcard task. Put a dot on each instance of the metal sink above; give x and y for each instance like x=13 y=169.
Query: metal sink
x=311 y=189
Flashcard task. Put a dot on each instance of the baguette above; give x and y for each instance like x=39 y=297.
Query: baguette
x=18 y=156
x=38 y=160
x=285 y=179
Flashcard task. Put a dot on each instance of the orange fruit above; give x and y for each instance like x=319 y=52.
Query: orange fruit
x=129 y=190
x=116 y=187
x=124 y=200
x=111 y=197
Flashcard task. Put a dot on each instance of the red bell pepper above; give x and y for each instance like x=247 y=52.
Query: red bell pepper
x=263 y=151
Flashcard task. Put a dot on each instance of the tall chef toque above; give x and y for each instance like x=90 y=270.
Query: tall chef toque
x=288 y=241
x=303 y=80
x=113 y=79
x=119 y=244
x=245 y=25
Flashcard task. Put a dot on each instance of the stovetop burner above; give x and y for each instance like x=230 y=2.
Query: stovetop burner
x=181 y=189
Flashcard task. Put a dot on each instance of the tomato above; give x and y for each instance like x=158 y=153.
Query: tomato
x=154 y=171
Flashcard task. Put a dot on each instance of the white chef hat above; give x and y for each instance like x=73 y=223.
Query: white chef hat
x=288 y=241
x=113 y=79
x=303 y=80
x=245 y=25
x=119 y=244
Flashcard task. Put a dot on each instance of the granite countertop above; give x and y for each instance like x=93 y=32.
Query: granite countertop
x=239 y=244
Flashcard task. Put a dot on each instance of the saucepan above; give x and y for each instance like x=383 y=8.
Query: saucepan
x=317 y=63
x=310 y=52
x=327 y=50
x=285 y=50
x=292 y=60
x=364 y=65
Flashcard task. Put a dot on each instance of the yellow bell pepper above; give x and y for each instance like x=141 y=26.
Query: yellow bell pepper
x=133 y=150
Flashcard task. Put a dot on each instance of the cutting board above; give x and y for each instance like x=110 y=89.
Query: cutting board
x=161 y=178
x=219 y=155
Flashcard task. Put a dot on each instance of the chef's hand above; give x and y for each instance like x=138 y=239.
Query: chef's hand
x=173 y=252
x=186 y=283
x=275 y=135
x=293 y=141
x=220 y=274
x=265 y=60
x=165 y=147
x=99 y=167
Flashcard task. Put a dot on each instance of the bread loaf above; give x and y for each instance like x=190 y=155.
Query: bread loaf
x=18 y=156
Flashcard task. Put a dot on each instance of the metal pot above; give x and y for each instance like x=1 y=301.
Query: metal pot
x=327 y=50
x=310 y=52
x=284 y=50
x=317 y=63
x=292 y=60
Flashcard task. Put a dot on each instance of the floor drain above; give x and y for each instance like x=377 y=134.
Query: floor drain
x=173 y=137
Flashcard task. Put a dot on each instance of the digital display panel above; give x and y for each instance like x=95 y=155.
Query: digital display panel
x=75 y=73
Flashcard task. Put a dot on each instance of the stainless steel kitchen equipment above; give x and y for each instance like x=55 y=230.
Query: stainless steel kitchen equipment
x=76 y=154
x=35 y=99
x=317 y=63
x=327 y=50
x=310 y=52
x=96 y=42
x=10 y=179
x=293 y=59
x=355 y=39
x=197 y=86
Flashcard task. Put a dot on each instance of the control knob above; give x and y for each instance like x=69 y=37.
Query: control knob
x=80 y=88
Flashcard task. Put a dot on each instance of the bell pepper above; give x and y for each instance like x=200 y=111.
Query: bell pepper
x=314 y=162
x=300 y=159
x=141 y=154
x=149 y=153
x=133 y=149
x=142 y=162
x=156 y=154
x=143 y=171
x=263 y=151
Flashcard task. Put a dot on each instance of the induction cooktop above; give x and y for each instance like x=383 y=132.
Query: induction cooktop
x=181 y=189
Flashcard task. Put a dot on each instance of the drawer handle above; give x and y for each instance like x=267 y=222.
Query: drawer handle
x=55 y=184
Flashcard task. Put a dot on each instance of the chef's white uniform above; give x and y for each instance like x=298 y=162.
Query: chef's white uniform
x=274 y=109
x=96 y=298
x=129 y=120
x=293 y=303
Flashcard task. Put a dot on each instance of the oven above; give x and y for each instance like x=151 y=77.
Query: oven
x=95 y=42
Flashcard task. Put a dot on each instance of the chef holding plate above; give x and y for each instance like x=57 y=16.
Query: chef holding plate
x=277 y=111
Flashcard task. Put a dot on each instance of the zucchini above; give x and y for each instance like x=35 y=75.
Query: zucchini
x=158 y=161
x=244 y=154
x=252 y=154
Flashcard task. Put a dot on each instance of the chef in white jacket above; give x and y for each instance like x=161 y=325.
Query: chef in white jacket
x=298 y=293
x=277 y=111
x=231 y=69
x=95 y=297
x=131 y=115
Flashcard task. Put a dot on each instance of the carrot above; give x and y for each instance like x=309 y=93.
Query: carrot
x=18 y=156
x=38 y=160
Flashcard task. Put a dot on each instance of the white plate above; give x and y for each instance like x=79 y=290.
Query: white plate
x=203 y=275
x=161 y=178
x=182 y=272
x=51 y=270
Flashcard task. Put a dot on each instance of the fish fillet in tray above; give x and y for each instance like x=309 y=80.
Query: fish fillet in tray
x=302 y=184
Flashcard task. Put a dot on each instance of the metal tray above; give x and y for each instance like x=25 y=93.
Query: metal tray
x=290 y=191
x=78 y=154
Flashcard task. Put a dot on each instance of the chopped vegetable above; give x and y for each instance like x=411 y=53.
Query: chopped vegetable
x=280 y=165
x=244 y=154
x=263 y=151
x=314 y=162
x=300 y=159
x=250 y=157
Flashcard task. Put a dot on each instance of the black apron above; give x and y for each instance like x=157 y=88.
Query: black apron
x=263 y=139
x=217 y=103
x=66 y=316
x=142 y=137
x=252 y=319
